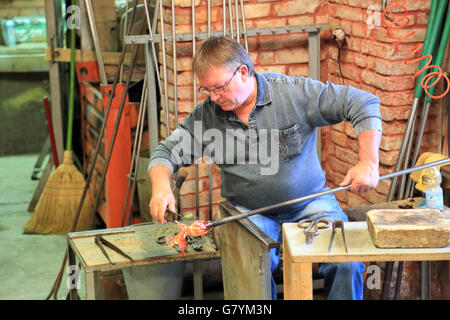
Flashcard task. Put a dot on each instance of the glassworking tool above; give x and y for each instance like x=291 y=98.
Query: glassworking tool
x=215 y=223
x=312 y=228
x=338 y=224
x=102 y=242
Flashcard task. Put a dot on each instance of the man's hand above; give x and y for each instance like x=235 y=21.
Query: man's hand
x=364 y=175
x=162 y=195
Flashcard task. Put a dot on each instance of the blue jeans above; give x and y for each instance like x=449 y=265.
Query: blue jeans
x=343 y=281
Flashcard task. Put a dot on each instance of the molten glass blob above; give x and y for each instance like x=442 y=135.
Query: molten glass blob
x=196 y=229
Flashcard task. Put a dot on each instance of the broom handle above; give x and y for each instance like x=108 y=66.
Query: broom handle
x=219 y=222
x=72 y=89
x=51 y=133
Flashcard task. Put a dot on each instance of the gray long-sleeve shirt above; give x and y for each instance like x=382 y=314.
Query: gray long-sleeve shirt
x=274 y=158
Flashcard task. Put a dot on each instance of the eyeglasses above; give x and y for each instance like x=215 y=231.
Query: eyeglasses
x=220 y=89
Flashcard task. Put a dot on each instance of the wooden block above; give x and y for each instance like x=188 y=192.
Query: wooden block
x=408 y=228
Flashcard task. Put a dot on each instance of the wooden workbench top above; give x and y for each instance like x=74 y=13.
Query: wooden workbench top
x=359 y=243
x=139 y=242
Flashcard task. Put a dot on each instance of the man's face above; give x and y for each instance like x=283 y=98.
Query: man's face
x=235 y=92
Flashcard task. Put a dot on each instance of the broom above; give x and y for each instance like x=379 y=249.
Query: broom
x=60 y=198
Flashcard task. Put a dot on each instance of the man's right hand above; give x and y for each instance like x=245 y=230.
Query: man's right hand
x=162 y=195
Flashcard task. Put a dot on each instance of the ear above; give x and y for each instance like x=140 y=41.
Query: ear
x=244 y=72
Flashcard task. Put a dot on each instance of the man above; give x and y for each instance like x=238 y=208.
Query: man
x=278 y=113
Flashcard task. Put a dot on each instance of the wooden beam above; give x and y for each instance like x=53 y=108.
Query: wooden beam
x=54 y=39
x=63 y=55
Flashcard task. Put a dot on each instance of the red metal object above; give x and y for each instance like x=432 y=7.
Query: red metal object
x=94 y=103
x=51 y=132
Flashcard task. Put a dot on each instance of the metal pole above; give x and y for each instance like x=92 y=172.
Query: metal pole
x=98 y=51
x=175 y=80
x=197 y=182
x=312 y=196
x=137 y=141
x=244 y=26
x=163 y=46
x=236 y=9
x=231 y=19
x=224 y=17
x=138 y=151
x=150 y=28
x=406 y=137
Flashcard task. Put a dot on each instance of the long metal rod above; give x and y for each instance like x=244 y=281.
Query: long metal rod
x=253 y=32
x=244 y=26
x=231 y=19
x=224 y=17
x=210 y=164
x=166 y=90
x=197 y=180
x=423 y=121
x=150 y=28
x=138 y=152
x=98 y=51
x=236 y=9
x=403 y=146
x=315 y=195
x=174 y=52
x=401 y=190
x=132 y=172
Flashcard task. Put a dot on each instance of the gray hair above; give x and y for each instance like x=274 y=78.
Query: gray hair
x=218 y=52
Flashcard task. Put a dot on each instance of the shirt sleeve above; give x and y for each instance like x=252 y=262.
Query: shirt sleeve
x=180 y=149
x=330 y=104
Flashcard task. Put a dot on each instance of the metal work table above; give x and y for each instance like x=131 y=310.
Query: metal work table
x=299 y=257
x=138 y=241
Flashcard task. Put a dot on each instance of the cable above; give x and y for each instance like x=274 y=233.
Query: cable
x=340 y=40
x=414 y=49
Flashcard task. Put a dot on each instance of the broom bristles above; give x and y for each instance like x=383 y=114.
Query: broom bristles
x=59 y=201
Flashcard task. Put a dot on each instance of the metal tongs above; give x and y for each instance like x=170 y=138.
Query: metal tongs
x=102 y=242
x=338 y=224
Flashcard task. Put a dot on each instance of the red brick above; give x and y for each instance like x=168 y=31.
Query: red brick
x=387 y=67
x=388 y=83
x=345 y=155
x=394 y=127
x=296 y=7
x=339 y=138
x=257 y=10
x=388 y=158
x=294 y=55
x=395 y=98
x=349 y=130
x=355 y=200
x=374 y=197
x=418 y=36
x=395 y=113
x=349 y=13
x=389 y=143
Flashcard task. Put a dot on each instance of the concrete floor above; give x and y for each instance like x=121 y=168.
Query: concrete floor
x=29 y=264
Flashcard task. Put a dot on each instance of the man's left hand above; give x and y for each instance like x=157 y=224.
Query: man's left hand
x=362 y=177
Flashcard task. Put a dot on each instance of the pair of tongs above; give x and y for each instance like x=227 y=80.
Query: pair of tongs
x=102 y=242
x=338 y=224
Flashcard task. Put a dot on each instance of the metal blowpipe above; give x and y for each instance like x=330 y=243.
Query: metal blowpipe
x=219 y=222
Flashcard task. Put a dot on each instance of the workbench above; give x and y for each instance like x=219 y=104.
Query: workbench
x=138 y=241
x=299 y=257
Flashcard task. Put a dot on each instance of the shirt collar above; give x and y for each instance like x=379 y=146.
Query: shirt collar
x=263 y=97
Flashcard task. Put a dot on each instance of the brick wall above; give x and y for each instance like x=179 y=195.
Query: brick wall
x=286 y=54
x=15 y=8
x=368 y=61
